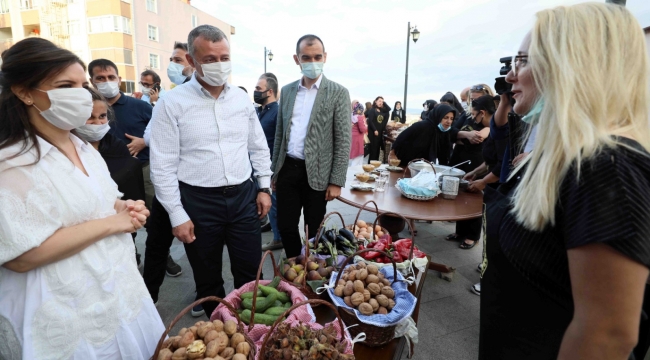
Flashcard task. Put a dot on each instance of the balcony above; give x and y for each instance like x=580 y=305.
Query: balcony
x=6 y=44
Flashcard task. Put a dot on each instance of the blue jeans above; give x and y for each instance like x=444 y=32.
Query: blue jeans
x=273 y=218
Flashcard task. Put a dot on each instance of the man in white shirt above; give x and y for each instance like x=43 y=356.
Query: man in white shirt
x=206 y=141
x=312 y=144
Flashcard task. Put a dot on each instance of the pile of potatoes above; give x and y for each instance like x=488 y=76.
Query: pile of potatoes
x=208 y=341
x=364 y=288
x=363 y=231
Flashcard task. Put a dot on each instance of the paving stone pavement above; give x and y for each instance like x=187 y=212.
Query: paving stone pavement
x=449 y=313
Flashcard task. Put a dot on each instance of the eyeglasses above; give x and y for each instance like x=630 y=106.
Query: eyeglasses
x=476 y=88
x=146 y=84
x=519 y=61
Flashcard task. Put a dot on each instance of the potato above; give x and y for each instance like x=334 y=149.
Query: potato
x=366 y=309
x=186 y=339
x=372 y=279
x=338 y=291
x=356 y=298
x=374 y=289
x=347 y=301
x=239 y=357
x=212 y=349
x=180 y=354
x=361 y=224
x=165 y=354
x=374 y=304
x=227 y=353
x=366 y=295
x=358 y=286
x=211 y=335
x=388 y=292
x=372 y=269
x=230 y=327
x=243 y=348
x=377 y=228
x=237 y=337
x=380 y=233
x=382 y=300
x=204 y=329
x=341 y=282
x=382 y=310
x=348 y=289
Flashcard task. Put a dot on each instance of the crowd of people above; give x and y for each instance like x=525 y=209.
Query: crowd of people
x=561 y=159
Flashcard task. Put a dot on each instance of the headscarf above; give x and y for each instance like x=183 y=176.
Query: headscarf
x=451 y=98
x=439 y=112
x=358 y=109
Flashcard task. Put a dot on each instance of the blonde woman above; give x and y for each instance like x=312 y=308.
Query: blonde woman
x=569 y=234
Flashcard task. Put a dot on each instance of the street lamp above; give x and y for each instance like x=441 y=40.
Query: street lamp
x=269 y=54
x=416 y=35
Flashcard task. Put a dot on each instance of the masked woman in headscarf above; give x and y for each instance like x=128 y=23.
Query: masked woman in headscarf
x=430 y=139
x=377 y=119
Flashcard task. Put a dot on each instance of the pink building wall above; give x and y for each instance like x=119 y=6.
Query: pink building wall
x=174 y=22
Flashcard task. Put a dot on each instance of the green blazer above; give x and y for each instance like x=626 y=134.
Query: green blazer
x=327 y=144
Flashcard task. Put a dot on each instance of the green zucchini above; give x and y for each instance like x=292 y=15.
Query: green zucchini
x=277 y=303
x=249 y=295
x=274 y=284
x=281 y=295
x=248 y=303
x=259 y=318
x=287 y=305
x=277 y=311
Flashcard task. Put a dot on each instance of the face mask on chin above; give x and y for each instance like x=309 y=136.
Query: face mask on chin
x=109 y=89
x=442 y=128
x=69 y=109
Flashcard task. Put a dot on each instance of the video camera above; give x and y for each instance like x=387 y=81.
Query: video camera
x=501 y=86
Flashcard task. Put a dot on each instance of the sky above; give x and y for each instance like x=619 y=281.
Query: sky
x=461 y=41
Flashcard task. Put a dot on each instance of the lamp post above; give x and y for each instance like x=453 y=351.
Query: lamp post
x=416 y=35
x=270 y=55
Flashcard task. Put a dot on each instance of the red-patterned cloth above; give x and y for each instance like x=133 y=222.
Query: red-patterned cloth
x=303 y=313
x=315 y=326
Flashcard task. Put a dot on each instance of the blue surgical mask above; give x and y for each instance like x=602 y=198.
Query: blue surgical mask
x=312 y=70
x=175 y=73
x=533 y=115
x=442 y=128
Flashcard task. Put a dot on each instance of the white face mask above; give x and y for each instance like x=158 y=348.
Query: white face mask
x=93 y=133
x=109 y=89
x=216 y=73
x=175 y=73
x=69 y=107
x=146 y=90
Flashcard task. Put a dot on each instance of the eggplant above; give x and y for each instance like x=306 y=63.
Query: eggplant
x=331 y=236
x=347 y=234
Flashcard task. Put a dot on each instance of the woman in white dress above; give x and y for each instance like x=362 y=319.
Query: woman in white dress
x=69 y=284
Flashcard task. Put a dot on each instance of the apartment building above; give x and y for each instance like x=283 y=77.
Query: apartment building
x=135 y=34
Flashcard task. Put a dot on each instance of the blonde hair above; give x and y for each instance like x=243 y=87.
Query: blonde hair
x=590 y=66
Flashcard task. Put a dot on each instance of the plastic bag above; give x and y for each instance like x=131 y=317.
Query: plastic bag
x=424 y=184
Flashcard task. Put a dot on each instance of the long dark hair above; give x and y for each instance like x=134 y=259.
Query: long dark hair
x=452 y=100
x=374 y=103
x=27 y=64
x=400 y=105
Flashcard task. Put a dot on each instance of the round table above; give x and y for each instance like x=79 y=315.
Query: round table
x=464 y=207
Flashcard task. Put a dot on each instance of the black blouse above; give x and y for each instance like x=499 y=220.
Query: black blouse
x=424 y=140
x=526 y=298
x=377 y=120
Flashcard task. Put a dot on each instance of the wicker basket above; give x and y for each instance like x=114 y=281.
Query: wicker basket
x=240 y=326
x=363 y=207
x=412 y=173
x=313 y=303
x=375 y=335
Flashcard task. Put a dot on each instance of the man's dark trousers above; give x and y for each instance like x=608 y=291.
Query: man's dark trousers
x=223 y=216
x=294 y=194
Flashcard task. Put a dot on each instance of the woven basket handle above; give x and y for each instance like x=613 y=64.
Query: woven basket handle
x=421 y=159
x=389 y=213
x=320 y=228
x=276 y=272
x=312 y=301
x=347 y=261
x=363 y=207
x=240 y=325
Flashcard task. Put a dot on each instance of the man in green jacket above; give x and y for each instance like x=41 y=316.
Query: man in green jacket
x=312 y=145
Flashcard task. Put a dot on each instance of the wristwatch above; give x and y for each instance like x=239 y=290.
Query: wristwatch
x=266 y=190
x=153 y=103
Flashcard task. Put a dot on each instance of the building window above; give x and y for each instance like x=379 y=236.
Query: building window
x=27 y=4
x=152 y=5
x=154 y=61
x=110 y=23
x=128 y=56
x=195 y=21
x=128 y=87
x=74 y=27
x=4 y=6
x=152 y=31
